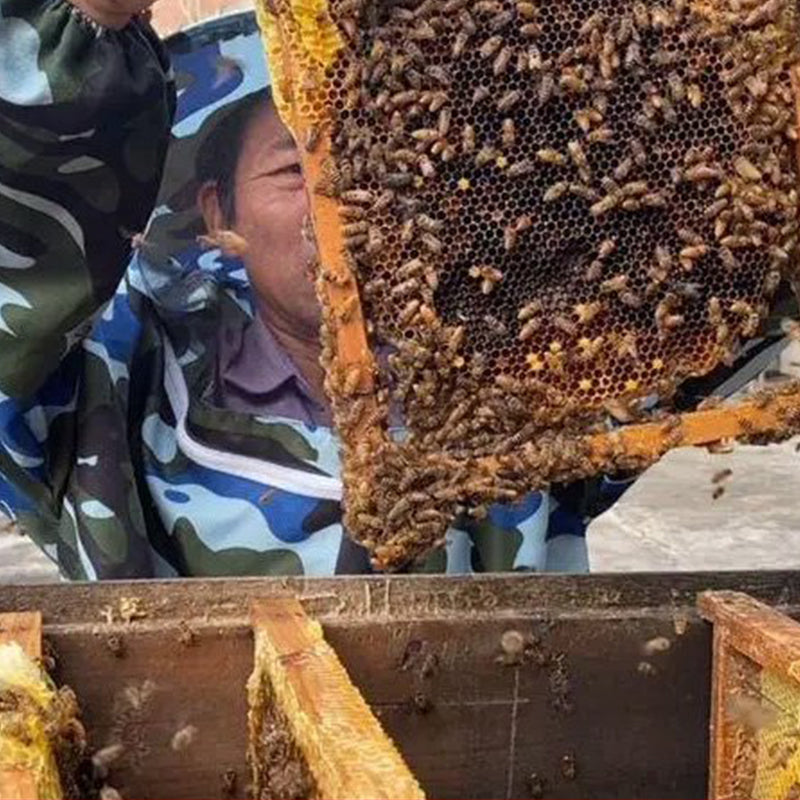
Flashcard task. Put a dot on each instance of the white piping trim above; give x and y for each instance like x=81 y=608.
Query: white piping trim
x=284 y=478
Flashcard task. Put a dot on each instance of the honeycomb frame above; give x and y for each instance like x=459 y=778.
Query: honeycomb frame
x=401 y=496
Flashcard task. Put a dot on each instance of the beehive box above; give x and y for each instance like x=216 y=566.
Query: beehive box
x=607 y=697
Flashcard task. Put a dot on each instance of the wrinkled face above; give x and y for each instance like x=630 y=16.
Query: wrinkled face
x=270 y=204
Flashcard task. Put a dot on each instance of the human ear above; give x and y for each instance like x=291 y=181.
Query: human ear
x=209 y=206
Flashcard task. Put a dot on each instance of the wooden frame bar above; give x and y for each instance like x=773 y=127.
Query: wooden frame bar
x=749 y=638
x=347 y=751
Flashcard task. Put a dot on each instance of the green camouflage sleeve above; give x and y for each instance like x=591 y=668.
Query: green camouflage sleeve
x=85 y=114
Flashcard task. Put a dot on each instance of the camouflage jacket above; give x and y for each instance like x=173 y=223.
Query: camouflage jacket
x=113 y=454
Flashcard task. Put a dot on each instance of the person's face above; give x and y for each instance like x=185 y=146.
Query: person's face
x=270 y=204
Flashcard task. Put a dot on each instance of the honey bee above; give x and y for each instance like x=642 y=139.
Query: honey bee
x=490 y=46
x=460 y=44
x=522 y=167
x=535 y=61
x=526 y=9
x=431 y=243
x=566 y=325
x=615 y=284
x=426 y=167
x=695 y=95
x=572 y=82
x=546 y=89
x=468 y=139
x=639 y=152
x=530 y=328
x=607 y=247
x=480 y=94
x=601 y=136
x=530 y=30
x=406 y=287
x=630 y=299
x=313 y=136
x=358 y=197
x=509 y=100
x=489 y=277
x=583 y=191
x=556 y=191
x=587 y=312
x=594 y=271
x=485 y=156
x=605 y=205
x=578 y=156
x=550 y=156
x=501 y=61
x=409 y=312
x=747 y=169
x=509 y=133
x=530 y=310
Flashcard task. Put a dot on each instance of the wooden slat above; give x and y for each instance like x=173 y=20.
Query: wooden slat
x=755 y=630
x=347 y=751
x=25 y=628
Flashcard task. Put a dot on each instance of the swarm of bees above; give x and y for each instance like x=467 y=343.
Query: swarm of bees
x=547 y=207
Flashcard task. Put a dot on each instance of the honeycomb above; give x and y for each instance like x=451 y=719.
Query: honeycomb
x=540 y=210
